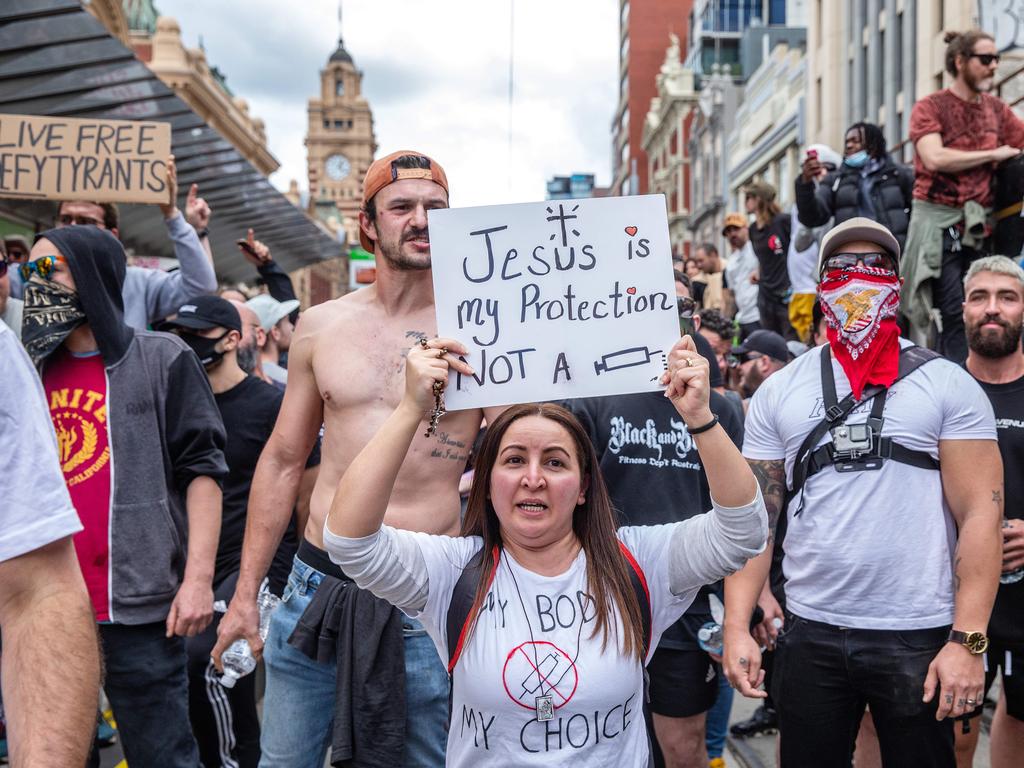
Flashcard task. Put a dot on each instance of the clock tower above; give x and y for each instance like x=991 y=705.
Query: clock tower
x=339 y=142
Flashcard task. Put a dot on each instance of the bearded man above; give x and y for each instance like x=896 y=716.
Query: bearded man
x=888 y=458
x=960 y=134
x=993 y=316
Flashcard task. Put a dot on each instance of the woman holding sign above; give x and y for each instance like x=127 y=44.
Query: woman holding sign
x=545 y=612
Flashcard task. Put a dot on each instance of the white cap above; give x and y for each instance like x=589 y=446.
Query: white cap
x=228 y=679
x=270 y=310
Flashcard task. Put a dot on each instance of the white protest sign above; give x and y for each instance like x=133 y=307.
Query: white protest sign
x=555 y=300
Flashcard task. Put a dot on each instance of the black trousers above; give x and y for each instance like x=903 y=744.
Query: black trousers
x=148 y=691
x=224 y=720
x=948 y=295
x=824 y=676
x=775 y=315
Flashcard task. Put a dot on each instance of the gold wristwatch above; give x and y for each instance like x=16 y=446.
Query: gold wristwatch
x=975 y=642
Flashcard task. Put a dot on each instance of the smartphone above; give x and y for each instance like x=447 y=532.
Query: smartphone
x=244 y=245
x=812 y=154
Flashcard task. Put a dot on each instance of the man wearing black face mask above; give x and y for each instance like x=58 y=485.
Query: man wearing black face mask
x=137 y=401
x=225 y=720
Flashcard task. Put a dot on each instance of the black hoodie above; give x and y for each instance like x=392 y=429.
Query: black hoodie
x=163 y=426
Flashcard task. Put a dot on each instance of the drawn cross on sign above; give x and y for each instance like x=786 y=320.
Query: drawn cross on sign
x=536 y=669
x=561 y=217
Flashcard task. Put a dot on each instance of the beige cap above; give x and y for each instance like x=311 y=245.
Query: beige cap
x=857 y=229
x=737 y=220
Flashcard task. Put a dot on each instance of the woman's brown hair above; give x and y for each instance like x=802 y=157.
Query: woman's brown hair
x=593 y=522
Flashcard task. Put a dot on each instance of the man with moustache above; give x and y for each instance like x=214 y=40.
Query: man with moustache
x=960 y=134
x=891 y=548
x=328 y=383
x=993 y=316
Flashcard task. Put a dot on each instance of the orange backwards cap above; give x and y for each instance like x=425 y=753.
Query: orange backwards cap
x=384 y=171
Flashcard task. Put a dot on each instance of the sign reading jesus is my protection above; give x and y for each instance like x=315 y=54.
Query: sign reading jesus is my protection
x=63 y=158
x=559 y=299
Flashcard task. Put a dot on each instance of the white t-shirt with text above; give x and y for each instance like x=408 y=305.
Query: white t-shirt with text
x=872 y=549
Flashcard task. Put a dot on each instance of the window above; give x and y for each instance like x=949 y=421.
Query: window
x=776 y=11
x=327 y=123
x=898 y=64
x=339 y=87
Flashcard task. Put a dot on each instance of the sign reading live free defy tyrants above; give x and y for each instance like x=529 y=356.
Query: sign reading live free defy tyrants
x=63 y=158
x=555 y=300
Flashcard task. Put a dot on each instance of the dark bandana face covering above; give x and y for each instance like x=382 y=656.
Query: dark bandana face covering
x=50 y=314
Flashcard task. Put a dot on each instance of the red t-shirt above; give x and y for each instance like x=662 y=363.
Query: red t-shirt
x=967 y=125
x=76 y=391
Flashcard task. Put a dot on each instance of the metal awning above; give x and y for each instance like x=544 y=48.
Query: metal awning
x=57 y=59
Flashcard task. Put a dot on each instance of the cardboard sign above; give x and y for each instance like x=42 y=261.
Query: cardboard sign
x=63 y=158
x=555 y=300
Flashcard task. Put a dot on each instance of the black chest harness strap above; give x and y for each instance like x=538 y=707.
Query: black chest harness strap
x=811 y=459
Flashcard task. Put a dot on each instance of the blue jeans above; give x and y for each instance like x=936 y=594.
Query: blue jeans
x=298 y=707
x=718 y=718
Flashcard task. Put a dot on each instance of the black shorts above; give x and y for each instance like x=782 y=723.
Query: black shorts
x=1009 y=661
x=683 y=683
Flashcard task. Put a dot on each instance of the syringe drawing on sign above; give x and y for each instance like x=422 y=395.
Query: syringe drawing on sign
x=628 y=358
x=537 y=677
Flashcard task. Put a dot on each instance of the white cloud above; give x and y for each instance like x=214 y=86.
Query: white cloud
x=436 y=77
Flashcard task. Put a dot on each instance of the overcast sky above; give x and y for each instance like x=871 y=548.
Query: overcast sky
x=436 y=78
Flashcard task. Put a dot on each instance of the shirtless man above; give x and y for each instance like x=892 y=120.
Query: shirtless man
x=346 y=370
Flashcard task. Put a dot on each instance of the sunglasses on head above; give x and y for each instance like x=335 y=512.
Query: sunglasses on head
x=44 y=266
x=986 y=59
x=685 y=305
x=878 y=260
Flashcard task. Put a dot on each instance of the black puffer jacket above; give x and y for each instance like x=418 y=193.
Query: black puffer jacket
x=838 y=194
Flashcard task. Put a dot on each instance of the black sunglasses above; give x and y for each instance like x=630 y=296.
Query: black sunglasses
x=986 y=59
x=879 y=260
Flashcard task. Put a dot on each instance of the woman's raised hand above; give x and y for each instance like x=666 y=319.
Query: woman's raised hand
x=428 y=362
x=688 y=383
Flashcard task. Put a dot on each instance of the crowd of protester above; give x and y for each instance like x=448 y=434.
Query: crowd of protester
x=173 y=445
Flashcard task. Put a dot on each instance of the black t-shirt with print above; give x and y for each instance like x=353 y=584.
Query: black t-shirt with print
x=1007 y=622
x=771 y=246
x=249 y=410
x=653 y=472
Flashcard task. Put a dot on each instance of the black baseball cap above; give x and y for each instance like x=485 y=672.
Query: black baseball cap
x=766 y=343
x=203 y=312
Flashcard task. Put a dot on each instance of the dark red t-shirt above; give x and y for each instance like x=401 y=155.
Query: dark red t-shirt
x=967 y=125
x=76 y=391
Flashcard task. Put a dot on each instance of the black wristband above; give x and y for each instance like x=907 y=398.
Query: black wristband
x=203 y=233
x=699 y=430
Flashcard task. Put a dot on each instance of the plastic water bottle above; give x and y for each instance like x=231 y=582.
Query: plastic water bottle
x=238 y=660
x=709 y=637
x=1013 y=576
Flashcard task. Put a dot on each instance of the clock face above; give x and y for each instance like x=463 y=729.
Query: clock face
x=337 y=167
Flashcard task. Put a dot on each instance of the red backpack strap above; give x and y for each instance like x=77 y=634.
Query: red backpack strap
x=643 y=595
x=463 y=595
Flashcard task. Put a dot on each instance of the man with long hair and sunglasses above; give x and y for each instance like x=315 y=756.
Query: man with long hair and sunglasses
x=892 y=484
x=960 y=135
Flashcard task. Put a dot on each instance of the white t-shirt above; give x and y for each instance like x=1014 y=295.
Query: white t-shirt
x=533 y=635
x=872 y=549
x=35 y=508
x=802 y=265
x=738 y=268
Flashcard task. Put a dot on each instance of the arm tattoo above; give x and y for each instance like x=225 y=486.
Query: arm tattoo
x=771 y=476
x=997 y=498
x=956 y=574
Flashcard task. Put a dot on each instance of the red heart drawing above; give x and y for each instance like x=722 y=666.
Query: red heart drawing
x=631 y=291
x=630 y=231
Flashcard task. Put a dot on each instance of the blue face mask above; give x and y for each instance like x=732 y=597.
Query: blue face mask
x=857 y=159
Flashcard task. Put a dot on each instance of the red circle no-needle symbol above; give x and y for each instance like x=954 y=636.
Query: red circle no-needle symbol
x=536 y=669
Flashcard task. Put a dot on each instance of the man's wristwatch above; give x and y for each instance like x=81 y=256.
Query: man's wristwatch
x=975 y=642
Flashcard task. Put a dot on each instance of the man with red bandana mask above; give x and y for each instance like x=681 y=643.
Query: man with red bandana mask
x=891 y=539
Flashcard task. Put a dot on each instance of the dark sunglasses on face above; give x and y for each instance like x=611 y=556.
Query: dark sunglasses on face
x=848 y=260
x=44 y=266
x=986 y=59
x=739 y=358
x=686 y=306
x=67 y=220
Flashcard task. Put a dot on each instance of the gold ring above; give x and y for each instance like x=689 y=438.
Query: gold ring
x=689 y=362
x=423 y=343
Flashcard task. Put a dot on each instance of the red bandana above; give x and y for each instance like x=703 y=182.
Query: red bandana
x=860 y=306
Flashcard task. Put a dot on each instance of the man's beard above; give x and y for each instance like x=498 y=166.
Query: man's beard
x=391 y=251
x=998 y=345
x=750 y=382
x=979 y=84
x=246 y=357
